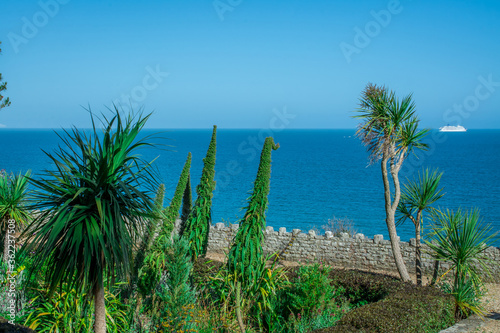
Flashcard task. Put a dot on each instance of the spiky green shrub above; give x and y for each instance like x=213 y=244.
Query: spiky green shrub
x=175 y=294
x=246 y=253
x=146 y=241
x=172 y=212
x=462 y=238
x=70 y=311
x=92 y=207
x=154 y=260
x=187 y=205
x=14 y=213
x=200 y=218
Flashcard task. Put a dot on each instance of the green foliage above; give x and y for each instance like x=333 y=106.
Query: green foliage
x=390 y=132
x=13 y=193
x=175 y=294
x=467 y=297
x=3 y=87
x=172 y=212
x=91 y=204
x=393 y=306
x=147 y=239
x=312 y=291
x=390 y=125
x=200 y=217
x=69 y=311
x=418 y=195
x=187 y=205
x=246 y=254
x=462 y=238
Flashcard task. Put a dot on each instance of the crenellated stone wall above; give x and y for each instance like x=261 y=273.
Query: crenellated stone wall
x=350 y=252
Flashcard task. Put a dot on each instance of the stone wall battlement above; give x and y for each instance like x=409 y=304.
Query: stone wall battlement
x=358 y=252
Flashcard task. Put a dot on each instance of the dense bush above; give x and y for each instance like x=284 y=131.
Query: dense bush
x=396 y=307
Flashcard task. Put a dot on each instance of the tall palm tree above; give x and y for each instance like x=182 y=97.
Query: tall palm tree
x=13 y=209
x=390 y=132
x=416 y=198
x=92 y=206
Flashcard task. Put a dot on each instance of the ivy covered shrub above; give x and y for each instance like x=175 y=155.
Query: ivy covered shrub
x=394 y=307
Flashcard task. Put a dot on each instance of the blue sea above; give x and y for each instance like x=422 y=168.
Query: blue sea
x=316 y=174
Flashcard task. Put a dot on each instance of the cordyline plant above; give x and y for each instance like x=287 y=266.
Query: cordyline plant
x=246 y=254
x=461 y=238
x=200 y=218
x=417 y=197
x=14 y=213
x=92 y=207
x=390 y=132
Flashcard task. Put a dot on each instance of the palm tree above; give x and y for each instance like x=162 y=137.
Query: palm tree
x=13 y=209
x=418 y=196
x=390 y=132
x=92 y=207
x=462 y=238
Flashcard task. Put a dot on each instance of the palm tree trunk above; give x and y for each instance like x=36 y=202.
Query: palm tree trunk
x=435 y=273
x=418 y=255
x=390 y=220
x=100 y=309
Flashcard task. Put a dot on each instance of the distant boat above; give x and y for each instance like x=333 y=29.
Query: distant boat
x=449 y=128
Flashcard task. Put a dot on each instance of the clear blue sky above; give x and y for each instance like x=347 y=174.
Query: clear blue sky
x=239 y=63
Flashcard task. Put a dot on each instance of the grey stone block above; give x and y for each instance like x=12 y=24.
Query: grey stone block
x=378 y=239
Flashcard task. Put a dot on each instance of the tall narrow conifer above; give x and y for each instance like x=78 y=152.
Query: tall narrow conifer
x=187 y=205
x=246 y=252
x=200 y=218
x=172 y=211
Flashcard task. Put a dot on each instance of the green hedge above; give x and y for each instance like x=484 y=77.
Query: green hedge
x=396 y=307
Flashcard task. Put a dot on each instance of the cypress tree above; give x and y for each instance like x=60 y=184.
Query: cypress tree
x=200 y=217
x=187 y=205
x=172 y=212
x=246 y=252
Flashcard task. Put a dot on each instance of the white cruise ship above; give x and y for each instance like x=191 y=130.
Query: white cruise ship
x=449 y=128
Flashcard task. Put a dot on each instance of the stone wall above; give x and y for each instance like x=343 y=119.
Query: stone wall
x=350 y=252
